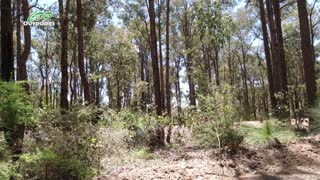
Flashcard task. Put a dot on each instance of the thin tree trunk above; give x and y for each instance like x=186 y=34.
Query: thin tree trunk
x=177 y=89
x=97 y=86
x=160 y=56
x=142 y=64
x=18 y=32
x=75 y=74
x=168 y=85
x=47 y=68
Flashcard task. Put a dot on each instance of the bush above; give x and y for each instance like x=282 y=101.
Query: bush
x=45 y=163
x=62 y=146
x=270 y=131
x=315 y=122
x=218 y=114
x=15 y=109
x=7 y=167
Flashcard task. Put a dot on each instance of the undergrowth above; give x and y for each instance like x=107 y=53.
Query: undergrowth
x=272 y=129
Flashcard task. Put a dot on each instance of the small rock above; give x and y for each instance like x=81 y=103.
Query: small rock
x=232 y=165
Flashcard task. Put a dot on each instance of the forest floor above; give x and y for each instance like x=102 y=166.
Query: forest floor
x=299 y=159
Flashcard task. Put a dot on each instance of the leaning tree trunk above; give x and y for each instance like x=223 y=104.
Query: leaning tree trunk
x=306 y=48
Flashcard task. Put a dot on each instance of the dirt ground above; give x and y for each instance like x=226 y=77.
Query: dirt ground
x=297 y=160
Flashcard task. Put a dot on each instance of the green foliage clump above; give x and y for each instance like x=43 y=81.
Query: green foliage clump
x=126 y=119
x=218 y=114
x=143 y=153
x=272 y=129
x=64 y=146
x=7 y=170
x=15 y=107
x=46 y=163
x=7 y=167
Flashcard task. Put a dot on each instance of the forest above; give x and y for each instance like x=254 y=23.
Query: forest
x=159 y=89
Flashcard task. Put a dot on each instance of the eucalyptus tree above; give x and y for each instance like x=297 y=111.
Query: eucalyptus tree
x=64 y=28
x=154 y=57
x=307 y=55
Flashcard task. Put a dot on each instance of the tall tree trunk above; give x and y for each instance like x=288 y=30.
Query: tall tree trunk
x=47 y=68
x=110 y=93
x=92 y=82
x=189 y=63
x=278 y=58
x=230 y=64
x=306 y=48
x=154 y=56
x=177 y=89
x=18 y=32
x=22 y=69
x=284 y=101
x=75 y=74
x=7 y=68
x=283 y=67
x=142 y=76
x=83 y=75
x=168 y=85
x=216 y=64
x=18 y=135
x=118 y=93
x=267 y=52
x=245 y=79
x=64 y=21
x=70 y=83
x=160 y=56
x=275 y=57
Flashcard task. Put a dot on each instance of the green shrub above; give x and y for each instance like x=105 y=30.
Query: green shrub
x=63 y=146
x=7 y=167
x=46 y=163
x=7 y=170
x=270 y=130
x=143 y=153
x=16 y=105
x=217 y=116
x=315 y=122
x=15 y=108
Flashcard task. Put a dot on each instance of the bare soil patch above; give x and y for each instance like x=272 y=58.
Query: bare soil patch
x=299 y=159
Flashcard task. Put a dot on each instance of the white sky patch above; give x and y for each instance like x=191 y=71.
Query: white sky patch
x=47 y=2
